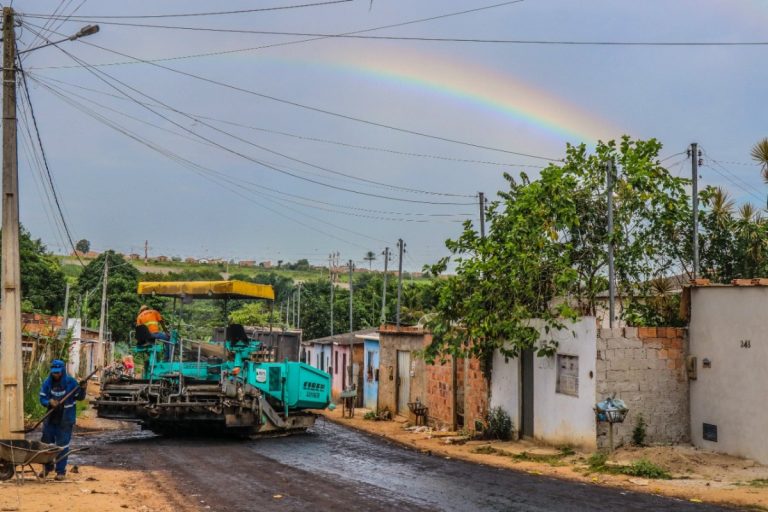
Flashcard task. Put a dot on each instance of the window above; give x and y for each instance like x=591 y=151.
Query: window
x=567 y=375
x=336 y=361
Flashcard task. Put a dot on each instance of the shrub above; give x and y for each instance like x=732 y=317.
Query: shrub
x=638 y=434
x=499 y=424
x=646 y=469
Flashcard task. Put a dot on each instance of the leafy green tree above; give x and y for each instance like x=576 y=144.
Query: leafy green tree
x=83 y=245
x=254 y=313
x=43 y=282
x=122 y=296
x=545 y=254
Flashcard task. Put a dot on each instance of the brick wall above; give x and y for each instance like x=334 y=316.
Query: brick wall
x=475 y=394
x=440 y=394
x=645 y=367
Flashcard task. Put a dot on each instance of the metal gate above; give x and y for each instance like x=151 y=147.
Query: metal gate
x=403 y=381
x=526 y=422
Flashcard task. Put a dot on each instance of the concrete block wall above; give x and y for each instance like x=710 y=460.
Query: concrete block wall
x=645 y=367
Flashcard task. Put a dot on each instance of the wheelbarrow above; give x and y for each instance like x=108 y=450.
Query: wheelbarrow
x=22 y=453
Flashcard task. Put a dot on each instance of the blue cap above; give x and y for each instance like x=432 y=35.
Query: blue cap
x=57 y=366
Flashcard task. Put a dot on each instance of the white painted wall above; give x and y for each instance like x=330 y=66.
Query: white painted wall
x=732 y=393
x=558 y=418
x=73 y=366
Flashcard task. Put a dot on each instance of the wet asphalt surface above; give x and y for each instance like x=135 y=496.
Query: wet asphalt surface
x=334 y=468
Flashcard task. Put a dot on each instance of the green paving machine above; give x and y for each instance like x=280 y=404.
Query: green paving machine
x=234 y=387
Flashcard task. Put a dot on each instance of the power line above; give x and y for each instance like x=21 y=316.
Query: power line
x=45 y=160
x=299 y=197
x=97 y=73
x=430 y=39
x=312 y=108
x=301 y=41
x=200 y=171
x=193 y=14
x=297 y=136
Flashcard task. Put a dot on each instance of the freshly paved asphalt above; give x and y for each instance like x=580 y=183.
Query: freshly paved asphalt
x=334 y=468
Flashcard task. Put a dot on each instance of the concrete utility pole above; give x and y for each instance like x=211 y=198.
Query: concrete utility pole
x=384 y=287
x=401 y=250
x=298 y=323
x=65 y=320
x=12 y=390
x=611 y=276
x=103 y=317
x=481 y=197
x=288 y=311
x=330 y=263
x=351 y=269
x=695 y=205
x=146 y=251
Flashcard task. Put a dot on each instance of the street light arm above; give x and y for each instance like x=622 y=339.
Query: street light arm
x=83 y=32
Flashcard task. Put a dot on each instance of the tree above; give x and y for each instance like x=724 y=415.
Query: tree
x=370 y=257
x=759 y=154
x=122 y=296
x=43 y=282
x=545 y=254
x=254 y=313
x=83 y=246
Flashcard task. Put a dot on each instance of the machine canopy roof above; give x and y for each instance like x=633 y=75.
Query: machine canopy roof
x=208 y=289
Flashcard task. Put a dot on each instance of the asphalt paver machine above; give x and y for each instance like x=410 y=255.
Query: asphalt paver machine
x=234 y=387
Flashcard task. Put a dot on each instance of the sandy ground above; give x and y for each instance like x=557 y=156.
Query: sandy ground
x=698 y=476
x=93 y=488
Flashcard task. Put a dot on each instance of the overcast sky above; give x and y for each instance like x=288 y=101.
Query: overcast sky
x=223 y=201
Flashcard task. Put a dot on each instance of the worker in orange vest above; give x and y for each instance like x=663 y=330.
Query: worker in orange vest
x=156 y=325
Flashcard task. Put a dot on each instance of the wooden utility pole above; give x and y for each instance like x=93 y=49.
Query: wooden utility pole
x=401 y=249
x=351 y=269
x=481 y=197
x=103 y=317
x=11 y=376
x=611 y=272
x=331 y=267
x=695 y=205
x=384 y=287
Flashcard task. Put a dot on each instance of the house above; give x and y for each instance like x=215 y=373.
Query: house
x=371 y=370
x=246 y=263
x=265 y=264
x=190 y=260
x=402 y=375
x=134 y=256
x=727 y=364
x=85 y=255
x=162 y=259
x=342 y=356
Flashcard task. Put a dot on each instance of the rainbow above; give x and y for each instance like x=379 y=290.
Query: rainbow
x=471 y=86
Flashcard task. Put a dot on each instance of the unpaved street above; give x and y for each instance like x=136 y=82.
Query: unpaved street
x=334 y=468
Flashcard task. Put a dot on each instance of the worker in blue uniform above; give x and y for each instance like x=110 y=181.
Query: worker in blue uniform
x=57 y=428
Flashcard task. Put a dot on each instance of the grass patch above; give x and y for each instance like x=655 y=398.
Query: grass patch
x=488 y=450
x=552 y=460
x=566 y=450
x=760 y=483
x=598 y=462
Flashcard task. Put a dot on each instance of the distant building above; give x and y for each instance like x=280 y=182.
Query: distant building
x=190 y=260
x=246 y=263
x=162 y=259
x=134 y=256
x=87 y=255
x=265 y=264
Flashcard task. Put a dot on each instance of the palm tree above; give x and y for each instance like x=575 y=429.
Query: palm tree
x=760 y=155
x=370 y=257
